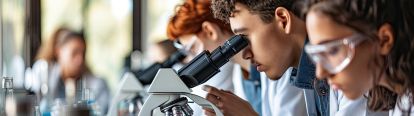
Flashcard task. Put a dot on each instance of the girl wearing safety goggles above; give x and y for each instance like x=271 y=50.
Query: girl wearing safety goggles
x=365 y=48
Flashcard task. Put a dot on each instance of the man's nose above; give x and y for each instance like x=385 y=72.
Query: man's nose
x=247 y=53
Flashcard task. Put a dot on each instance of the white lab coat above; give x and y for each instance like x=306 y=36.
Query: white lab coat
x=339 y=105
x=405 y=104
x=280 y=98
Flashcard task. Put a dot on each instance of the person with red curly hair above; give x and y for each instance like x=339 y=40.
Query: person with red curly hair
x=194 y=25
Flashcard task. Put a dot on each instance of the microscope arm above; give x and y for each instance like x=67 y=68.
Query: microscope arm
x=204 y=103
x=162 y=91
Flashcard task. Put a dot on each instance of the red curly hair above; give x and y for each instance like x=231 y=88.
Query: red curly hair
x=189 y=17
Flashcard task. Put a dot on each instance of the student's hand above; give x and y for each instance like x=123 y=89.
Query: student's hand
x=228 y=103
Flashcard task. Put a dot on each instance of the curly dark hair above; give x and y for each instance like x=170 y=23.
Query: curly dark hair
x=366 y=17
x=222 y=9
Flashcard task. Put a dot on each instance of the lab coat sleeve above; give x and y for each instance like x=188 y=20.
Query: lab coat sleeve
x=341 y=106
x=37 y=75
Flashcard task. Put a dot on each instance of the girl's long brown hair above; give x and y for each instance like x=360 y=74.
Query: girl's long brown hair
x=60 y=37
x=48 y=49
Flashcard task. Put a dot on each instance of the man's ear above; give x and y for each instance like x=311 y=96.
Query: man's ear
x=283 y=19
x=386 y=39
x=210 y=30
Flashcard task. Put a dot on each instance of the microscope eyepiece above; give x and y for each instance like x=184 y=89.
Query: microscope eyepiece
x=222 y=54
x=206 y=64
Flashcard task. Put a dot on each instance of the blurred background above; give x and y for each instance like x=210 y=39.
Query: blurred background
x=117 y=34
x=113 y=30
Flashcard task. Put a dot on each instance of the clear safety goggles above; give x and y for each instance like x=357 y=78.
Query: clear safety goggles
x=334 y=56
x=191 y=47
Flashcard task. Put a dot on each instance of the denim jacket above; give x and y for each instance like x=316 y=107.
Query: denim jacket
x=316 y=91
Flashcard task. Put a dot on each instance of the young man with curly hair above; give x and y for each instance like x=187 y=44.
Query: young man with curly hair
x=277 y=34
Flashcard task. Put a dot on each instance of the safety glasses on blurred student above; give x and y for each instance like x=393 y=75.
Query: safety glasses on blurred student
x=191 y=47
x=334 y=56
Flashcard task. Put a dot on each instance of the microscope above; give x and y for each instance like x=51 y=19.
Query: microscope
x=131 y=85
x=169 y=89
